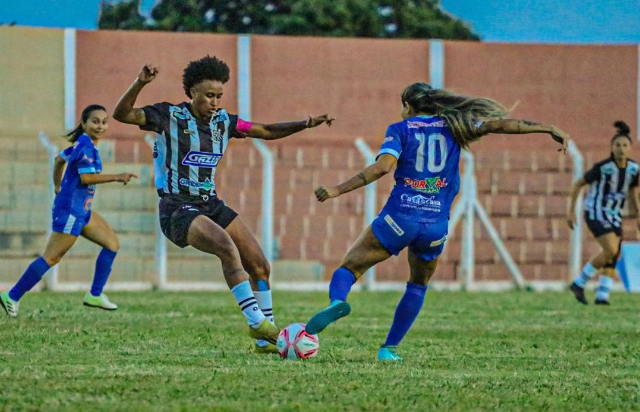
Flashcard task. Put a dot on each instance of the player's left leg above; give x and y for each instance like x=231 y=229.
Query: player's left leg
x=101 y=233
x=423 y=259
x=607 y=275
x=259 y=270
x=409 y=306
x=365 y=253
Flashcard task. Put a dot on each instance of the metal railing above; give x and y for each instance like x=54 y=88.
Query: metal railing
x=370 y=205
x=51 y=281
x=575 y=258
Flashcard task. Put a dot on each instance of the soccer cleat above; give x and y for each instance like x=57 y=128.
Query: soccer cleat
x=101 y=302
x=10 y=306
x=578 y=292
x=602 y=302
x=265 y=347
x=266 y=331
x=318 y=322
x=388 y=353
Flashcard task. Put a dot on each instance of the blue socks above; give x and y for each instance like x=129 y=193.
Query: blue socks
x=407 y=311
x=341 y=283
x=588 y=271
x=103 y=270
x=29 y=279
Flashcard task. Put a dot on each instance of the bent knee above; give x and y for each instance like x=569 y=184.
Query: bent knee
x=260 y=270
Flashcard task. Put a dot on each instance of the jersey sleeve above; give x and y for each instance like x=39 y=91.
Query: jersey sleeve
x=86 y=160
x=593 y=174
x=66 y=153
x=238 y=128
x=157 y=116
x=392 y=143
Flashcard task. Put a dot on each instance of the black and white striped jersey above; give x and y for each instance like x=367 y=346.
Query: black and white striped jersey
x=609 y=186
x=187 y=150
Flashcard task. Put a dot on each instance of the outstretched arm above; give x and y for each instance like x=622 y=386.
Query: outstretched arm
x=371 y=173
x=124 y=111
x=516 y=126
x=576 y=188
x=96 y=178
x=279 y=130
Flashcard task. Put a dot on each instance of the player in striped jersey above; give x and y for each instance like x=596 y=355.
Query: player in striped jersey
x=72 y=214
x=425 y=150
x=191 y=138
x=610 y=182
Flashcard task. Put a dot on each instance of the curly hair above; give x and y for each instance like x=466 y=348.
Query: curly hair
x=207 y=68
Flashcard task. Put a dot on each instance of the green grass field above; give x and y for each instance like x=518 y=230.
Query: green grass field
x=190 y=352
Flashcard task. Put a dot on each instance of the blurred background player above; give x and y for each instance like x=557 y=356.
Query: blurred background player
x=191 y=140
x=610 y=182
x=426 y=147
x=72 y=215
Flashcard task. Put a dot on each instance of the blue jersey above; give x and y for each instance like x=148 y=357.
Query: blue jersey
x=427 y=174
x=81 y=158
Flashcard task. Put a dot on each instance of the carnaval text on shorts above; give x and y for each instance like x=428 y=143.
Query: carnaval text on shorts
x=201 y=159
x=429 y=185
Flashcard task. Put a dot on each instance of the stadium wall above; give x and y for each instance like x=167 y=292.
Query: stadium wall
x=31 y=81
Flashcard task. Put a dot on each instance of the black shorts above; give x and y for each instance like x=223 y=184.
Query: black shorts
x=177 y=212
x=598 y=228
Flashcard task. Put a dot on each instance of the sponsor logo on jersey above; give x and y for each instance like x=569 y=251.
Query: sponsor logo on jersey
x=388 y=139
x=430 y=185
x=182 y=114
x=419 y=200
x=201 y=159
x=418 y=124
x=87 y=159
x=396 y=228
x=206 y=185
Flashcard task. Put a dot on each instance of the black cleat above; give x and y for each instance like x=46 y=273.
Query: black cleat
x=578 y=292
x=602 y=302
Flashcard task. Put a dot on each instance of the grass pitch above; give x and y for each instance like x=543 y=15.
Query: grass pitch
x=190 y=352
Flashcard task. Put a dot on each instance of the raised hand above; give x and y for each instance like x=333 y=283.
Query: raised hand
x=560 y=137
x=323 y=193
x=317 y=121
x=148 y=73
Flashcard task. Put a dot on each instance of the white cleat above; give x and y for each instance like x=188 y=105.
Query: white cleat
x=101 y=302
x=10 y=306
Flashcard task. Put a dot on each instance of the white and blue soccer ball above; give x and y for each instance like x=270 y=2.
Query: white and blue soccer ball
x=295 y=343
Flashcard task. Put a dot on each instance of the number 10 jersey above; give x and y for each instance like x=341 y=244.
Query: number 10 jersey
x=427 y=174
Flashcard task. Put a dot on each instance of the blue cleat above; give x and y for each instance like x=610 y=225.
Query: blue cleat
x=318 y=322
x=388 y=353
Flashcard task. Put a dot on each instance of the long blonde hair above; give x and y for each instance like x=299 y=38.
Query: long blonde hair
x=461 y=112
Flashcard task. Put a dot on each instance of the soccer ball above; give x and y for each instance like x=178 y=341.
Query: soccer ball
x=295 y=343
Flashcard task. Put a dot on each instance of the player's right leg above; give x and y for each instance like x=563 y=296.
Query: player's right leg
x=365 y=253
x=57 y=247
x=205 y=235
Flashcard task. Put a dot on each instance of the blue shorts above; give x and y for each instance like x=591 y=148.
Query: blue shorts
x=426 y=240
x=71 y=223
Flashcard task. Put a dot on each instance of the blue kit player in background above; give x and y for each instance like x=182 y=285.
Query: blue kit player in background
x=72 y=215
x=426 y=147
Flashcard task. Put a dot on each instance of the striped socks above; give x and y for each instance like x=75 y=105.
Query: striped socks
x=604 y=288
x=588 y=271
x=248 y=303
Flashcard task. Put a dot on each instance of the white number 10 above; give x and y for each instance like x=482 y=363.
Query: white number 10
x=431 y=155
